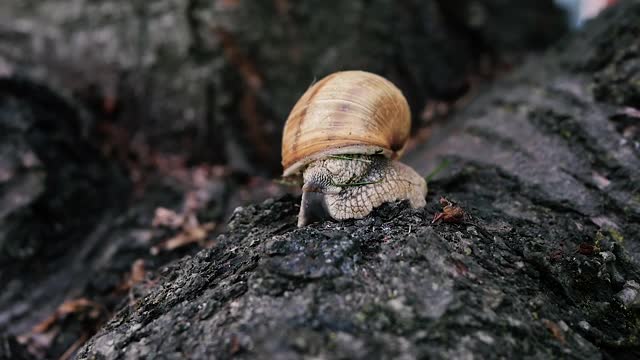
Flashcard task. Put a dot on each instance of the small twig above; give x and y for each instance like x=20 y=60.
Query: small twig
x=443 y=165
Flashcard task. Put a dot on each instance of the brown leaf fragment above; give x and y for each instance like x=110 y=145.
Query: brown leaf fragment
x=235 y=345
x=189 y=234
x=461 y=268
x=45 y=324
x=555 y=330
x=587 y=249
x=451 y=213
x=167 y=217
x=556 y=255
x=134 y=277
x=43 y=334
x=137 y=272
x=66 y=308
x=632 y=112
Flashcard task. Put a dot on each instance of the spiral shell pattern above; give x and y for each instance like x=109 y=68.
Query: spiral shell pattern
x=348 y=112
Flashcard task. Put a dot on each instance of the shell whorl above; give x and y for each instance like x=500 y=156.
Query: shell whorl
x=348 y=112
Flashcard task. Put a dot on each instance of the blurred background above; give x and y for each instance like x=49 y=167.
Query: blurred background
x=213 y=81
x=118 y=116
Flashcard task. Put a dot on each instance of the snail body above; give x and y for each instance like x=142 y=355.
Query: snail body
x=342 y=138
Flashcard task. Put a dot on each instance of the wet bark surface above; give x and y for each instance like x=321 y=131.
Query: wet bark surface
x=545 y=263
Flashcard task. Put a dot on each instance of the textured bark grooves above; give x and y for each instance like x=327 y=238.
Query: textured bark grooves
x=215 y=80
x=545 y=264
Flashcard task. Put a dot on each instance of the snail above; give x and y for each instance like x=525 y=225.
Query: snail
x=341 y=141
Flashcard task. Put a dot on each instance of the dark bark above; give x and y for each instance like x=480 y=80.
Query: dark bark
x=11 y=349
x=214 y=80
x=68 y=227
x=545 y=265
x=72 y=231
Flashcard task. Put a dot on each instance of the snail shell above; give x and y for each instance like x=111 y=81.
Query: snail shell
x=348 y=112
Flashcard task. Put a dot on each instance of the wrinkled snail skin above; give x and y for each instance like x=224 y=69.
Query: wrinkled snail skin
x=351 y=189
x=341 y=138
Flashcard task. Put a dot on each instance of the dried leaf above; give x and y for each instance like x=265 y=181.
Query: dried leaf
x=555 y=330
x=189 y=235
x=451 y=213
x=167 y=217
